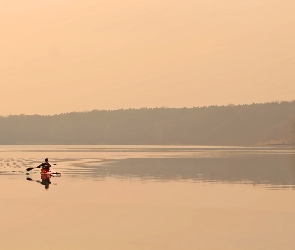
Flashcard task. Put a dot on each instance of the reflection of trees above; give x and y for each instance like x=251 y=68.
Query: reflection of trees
x=276 y=170
x=225 y=125
x=293 y=132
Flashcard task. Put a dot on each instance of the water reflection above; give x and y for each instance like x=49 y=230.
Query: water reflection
x=268 y=166
x=45 y=180
x=276 y=170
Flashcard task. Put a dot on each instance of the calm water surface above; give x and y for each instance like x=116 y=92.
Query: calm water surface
x=148 y=197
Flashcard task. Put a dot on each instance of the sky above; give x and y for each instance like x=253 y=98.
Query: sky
x=59 y=56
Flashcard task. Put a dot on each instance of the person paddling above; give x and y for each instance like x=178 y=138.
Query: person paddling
x=45 y=166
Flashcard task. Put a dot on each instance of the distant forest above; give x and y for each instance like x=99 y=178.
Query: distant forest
x=254 y=124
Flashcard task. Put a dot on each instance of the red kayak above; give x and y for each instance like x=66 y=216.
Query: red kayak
x=47 y=172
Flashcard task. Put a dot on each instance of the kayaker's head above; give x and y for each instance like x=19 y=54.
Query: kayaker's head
x=46 y=160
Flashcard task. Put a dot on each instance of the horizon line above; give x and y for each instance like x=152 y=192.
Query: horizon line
x=151 y=108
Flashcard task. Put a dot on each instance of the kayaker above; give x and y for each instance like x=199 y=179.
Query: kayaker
x=45 y=166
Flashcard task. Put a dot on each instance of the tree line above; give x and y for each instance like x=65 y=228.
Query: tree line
x=211 y=125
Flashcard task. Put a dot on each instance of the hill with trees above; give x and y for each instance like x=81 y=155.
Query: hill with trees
x=253 y=124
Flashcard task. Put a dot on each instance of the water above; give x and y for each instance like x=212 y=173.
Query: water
x=148 y=197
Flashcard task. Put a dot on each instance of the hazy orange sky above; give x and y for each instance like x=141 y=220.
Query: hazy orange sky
x=77 y=55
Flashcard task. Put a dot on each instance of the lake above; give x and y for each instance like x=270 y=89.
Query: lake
x=148 y=197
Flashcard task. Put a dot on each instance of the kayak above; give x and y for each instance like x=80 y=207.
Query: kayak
x=45 y=171
x=50 y=173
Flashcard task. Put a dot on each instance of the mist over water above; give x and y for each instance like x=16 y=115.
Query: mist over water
x=272 y=166
x=148 y=197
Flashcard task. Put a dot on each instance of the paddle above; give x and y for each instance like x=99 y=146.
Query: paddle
x=29 y=169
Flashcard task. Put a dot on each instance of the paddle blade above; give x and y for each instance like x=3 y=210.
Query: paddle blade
x=29 y=169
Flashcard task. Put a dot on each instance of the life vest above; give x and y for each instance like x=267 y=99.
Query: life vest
x=46 y=166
